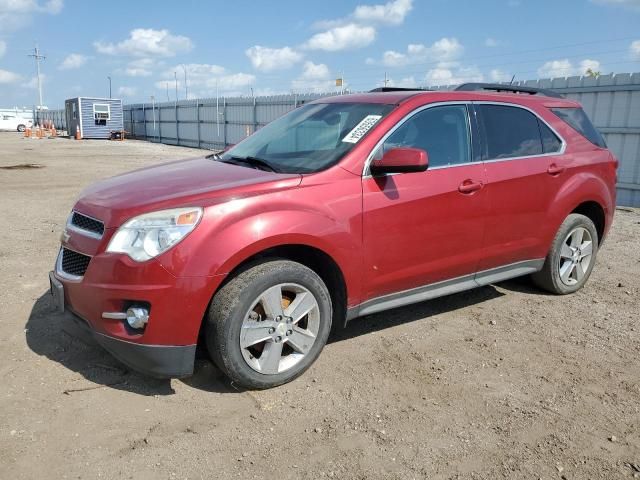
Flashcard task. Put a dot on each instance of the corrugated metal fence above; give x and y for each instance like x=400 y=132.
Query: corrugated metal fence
x=611 y=101
x=207 y=123
x=56 y=116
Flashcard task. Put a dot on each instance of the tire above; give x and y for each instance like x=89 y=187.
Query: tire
x=571 y=257
x=21 y=128
x=265 y=304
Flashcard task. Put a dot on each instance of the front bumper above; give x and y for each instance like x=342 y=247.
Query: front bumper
x=160 y=361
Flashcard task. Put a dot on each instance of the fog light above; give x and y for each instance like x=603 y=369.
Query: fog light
x=137 y=317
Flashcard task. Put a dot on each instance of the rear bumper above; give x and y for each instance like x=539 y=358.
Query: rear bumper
x=160 y=361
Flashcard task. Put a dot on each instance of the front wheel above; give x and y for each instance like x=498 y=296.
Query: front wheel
x=269 y=323
x=21 y=128
x=571 y=258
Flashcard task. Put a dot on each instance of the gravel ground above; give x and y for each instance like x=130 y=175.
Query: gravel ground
x=501 y=382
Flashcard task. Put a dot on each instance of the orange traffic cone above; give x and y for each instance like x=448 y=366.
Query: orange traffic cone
x=78 y=137
x=27 y=132
x=53 y=132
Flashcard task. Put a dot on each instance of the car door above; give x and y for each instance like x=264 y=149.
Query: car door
x=4 y=122
x=520 y=153
x=426 y=227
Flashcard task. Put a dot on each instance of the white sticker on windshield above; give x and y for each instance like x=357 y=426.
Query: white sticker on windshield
x=363 y=127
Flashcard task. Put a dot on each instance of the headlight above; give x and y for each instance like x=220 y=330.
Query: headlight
x=148 y=235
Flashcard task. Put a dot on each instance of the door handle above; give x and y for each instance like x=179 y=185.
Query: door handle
x=555 y=169
x=469 y=186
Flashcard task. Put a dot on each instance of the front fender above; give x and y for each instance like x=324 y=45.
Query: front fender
x=327 y=217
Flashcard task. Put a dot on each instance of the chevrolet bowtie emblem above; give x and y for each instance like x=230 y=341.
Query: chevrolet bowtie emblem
x=65 y=236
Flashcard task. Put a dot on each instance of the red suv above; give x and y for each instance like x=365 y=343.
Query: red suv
x=344 y=207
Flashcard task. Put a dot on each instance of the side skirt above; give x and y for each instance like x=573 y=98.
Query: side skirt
x=446 y=287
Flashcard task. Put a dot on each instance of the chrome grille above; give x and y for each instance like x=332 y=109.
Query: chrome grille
x=74 y=263
x=89 y=224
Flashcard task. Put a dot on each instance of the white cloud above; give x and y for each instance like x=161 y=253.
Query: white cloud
x=202 y=80
x=406 y=82
x=632 y=4
x=7 y=77
x=449 y=76
x=634 y=48
x=3 y=48
x=137 y=72
x=15 y=14
x=346 y=37
x=315 y=71
x=140 y=67
x=74 y=60
x=491 y=42
x=147 y=42
x=391 y=13
x=268 y=59
x=315 y=78
x=593 y=65
x=497 y=75
x=443 y=50
x=564 y=68
x=127 y=91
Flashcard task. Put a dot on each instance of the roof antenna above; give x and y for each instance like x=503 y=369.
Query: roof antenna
x=512 y=79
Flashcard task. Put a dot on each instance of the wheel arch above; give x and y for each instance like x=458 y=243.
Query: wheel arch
x=311 y=256
x=594 y=211
x=586 y=194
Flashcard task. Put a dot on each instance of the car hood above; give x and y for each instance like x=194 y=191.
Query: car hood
x=194 y=182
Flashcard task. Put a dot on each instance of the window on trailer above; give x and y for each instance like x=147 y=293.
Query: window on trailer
x=101 y=113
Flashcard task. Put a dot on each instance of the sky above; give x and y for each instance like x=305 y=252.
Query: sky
x=244 y=47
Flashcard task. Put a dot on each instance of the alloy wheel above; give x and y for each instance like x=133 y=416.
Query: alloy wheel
x=280 y=328
x=575 y=256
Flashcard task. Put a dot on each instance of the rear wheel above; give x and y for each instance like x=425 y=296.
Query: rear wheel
x=267 y=325
x=571 y=258
x=21 y=128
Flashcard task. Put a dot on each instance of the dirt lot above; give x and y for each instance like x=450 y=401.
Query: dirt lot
x=500 y=382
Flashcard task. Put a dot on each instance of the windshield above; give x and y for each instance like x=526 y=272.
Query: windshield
x=309 y=138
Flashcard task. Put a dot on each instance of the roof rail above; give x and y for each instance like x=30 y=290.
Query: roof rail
x=497 y=87
x=398 y=89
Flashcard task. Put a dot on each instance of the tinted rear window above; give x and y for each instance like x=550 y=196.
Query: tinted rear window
x=577 y=119
x=510 y=132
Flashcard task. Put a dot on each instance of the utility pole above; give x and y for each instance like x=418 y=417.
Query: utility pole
x=175 y=76
x=167 y=91
x=386 y=80
x=186 y=91
x=37 y=56
x=109 y=86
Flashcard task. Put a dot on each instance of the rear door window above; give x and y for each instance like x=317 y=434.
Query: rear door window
x=579 y=121
x=510 y=132
x=550 y=141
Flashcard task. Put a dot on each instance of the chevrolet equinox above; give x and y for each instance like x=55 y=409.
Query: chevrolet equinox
x=343 y=207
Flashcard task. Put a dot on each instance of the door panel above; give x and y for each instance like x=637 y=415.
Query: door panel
x=421 y=228
x=519 y=155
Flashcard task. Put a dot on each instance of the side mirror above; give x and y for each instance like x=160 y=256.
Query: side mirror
x=400 y=160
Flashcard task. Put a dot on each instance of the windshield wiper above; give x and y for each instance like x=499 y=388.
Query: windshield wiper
x=255 y=163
